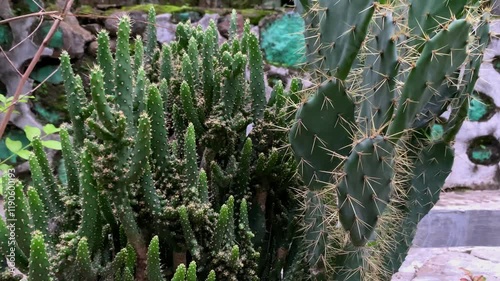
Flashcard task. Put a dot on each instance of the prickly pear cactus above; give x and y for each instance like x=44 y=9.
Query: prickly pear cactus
x=174 y=169
x=370 y=141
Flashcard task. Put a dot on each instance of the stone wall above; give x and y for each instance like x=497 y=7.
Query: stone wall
x=106 y=2
x=201 y=3
x=477 y=147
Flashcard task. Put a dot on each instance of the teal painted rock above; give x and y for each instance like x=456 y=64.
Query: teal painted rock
x=282 y=40
x=27 y=6
x=481 y=107
x=484 y=150
x=47 y=73
x=57 y=39
x=437 y=132
x=34 y=5
x=48 y=115
x=185 y=17
x=5 y=36
x=496 y=64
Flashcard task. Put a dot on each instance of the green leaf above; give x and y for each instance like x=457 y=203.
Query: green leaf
x=23 y=153
x=3 y=99
x=32 y=132
x=4 y=167
x=52 y=144
x=13 y=145
x=50 y=129
x=24 y=99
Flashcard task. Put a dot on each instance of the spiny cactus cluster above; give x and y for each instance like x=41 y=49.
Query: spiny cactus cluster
x=174 y=165
x=371 y=142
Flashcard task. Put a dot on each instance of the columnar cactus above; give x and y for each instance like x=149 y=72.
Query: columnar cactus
x=370 y=141
x=174 y=165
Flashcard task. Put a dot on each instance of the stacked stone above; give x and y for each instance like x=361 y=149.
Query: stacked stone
x=477 y=147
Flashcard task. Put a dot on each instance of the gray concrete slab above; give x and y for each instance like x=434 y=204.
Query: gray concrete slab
x=447 y=264
x=467 y=218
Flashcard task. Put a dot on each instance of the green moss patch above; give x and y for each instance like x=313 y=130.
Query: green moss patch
x=160 y=9
x=86 y=10
x=254 y=15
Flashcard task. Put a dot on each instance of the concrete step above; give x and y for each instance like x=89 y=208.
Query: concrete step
x=445 y=264
x=461 y=219
x=461 y=231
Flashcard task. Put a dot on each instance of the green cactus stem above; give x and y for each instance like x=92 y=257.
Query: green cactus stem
x=39 y=267
x=154 y=268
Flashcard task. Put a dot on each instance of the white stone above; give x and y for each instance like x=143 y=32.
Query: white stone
x=165 y=30
x=443 y=264
x=464 y=172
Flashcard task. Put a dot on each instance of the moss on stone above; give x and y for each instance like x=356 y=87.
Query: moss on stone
x=86 y=9
x=160 y=9
x=254 y=15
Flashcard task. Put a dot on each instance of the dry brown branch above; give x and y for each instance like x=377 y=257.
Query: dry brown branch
x=33 y=63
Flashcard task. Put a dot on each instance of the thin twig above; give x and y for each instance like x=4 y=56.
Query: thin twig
x=29 y=36
x=37 y=14
x=31 y=66
x=10 y=61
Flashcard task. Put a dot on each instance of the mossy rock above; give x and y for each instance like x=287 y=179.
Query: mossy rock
x=160 y=9
x=254 y=15
x=86 y=10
